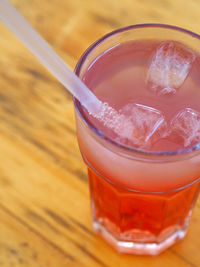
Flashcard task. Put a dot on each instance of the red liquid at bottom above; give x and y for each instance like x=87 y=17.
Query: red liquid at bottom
x=138 y=218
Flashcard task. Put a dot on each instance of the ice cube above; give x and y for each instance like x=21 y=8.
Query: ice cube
x=143 y=126
x=135 y=124
x=185 y=127
x=169 y=68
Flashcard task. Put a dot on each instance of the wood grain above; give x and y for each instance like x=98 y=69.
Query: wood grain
x=44 y=198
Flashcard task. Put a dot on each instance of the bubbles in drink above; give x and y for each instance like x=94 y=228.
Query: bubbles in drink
x=109 y=117
x=169 y=68
x=185 y=127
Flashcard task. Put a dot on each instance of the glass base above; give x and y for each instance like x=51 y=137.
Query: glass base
x=139 y=248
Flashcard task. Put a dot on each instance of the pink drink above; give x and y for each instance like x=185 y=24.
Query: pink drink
x=142 y=202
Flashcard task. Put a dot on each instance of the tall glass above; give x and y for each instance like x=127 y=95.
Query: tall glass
x=141 y=200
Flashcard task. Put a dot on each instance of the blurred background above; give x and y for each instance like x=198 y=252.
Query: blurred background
x=44 y=197
x=71 y=26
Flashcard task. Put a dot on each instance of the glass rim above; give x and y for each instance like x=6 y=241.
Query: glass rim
x=100 y=134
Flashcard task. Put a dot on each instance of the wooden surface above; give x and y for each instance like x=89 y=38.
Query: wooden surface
x=44 y=198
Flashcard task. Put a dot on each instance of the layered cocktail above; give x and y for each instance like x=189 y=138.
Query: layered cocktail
x=144 y=164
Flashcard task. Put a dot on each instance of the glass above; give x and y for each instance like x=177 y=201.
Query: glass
x=130 y=216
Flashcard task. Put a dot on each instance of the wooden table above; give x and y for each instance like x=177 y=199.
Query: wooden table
x=44 y=198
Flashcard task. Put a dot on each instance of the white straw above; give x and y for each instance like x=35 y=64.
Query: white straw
x=40 y=48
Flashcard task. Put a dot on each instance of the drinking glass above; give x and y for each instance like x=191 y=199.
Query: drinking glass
x=141 y=201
